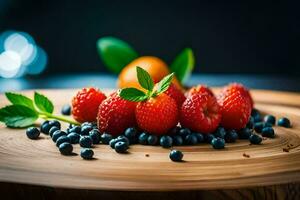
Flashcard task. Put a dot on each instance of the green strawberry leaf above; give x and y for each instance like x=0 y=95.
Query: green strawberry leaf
x=19 y=99
x=164 y=83
x=144 y=79
x=18 y=116
x=115 y=53
x=43 y=103
x=183 y=64
x=133 y=94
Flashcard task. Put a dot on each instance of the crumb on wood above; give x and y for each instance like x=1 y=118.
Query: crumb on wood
x=246 y=155
x=147 y=155
x=264 y=138
x=285 y=150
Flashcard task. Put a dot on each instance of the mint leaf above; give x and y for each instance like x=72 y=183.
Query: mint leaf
x=183 y=64
x=132 y=94
x=19 y=99
x=43 y=103
x=18 y=116
x=115 y=53
x=164 y=83
x=144 y=79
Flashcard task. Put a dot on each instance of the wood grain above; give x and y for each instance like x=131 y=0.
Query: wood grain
x=39 y=162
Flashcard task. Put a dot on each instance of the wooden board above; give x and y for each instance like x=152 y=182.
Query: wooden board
x=38 y=162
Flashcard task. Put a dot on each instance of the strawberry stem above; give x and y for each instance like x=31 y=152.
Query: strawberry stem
x=61 y=118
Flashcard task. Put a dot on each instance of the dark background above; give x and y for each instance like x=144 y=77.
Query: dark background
x=227 y=36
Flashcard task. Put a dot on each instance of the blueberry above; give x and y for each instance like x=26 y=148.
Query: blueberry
x=121 y=147
x=74 y=137
x=270 y=119
x=105 y=138
x=66 y=110
x=191 y=139
x=130 y=133
x=268 y=132
x=166 y=141
x=86 y=153
x=200 y=137
x=95 y=135
x=122 y=138
x=184 y=132
x=152 y=140
x=52 y=130
x=57 y=134
x=62 y=139
x=45 y=127
x=76 y=129
x=231 y=136
x=208 y=138
x=220 y=132
x=250 y=123
x=143 y=139
x=177 y=140
x=86 y=124
x=176 y=155
x=255 y=139
x=256 y=115
x=112 y=143
x=285 y=122
x=258 y=127
x=218 y=143
x=65 y=148
x=244 y=133
x=86 y=129
x=55 y=123
x=32 y=133
x=175 y=130
x=86 y=141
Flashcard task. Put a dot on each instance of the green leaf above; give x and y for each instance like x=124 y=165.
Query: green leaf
x=18 y=116
x=144 y=79
x=133 y=94
x=19 y=99
x=183 y=64
x=115 y=53
x=43 y=103
x=164 y=83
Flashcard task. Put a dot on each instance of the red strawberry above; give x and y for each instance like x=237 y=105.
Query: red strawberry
x=85 y=104
x=199 y=89
x=176 y=94
x=235 y=108
x=115 y=115
x=200 y=113
x=157 y=115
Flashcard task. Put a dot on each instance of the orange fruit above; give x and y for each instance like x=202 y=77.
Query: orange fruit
x=153 y=65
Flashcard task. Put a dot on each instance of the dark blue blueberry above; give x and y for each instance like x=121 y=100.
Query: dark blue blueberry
x=200 y=137
x=143 y=138
x=250 y=123
x=245 y=133
x=218 y=143
x=152 y=140
x=268 y=132
x=76 y=129
x=122 y=138
x=62 y=139
x=255 y=139
x=71 y=125
x=86 y=124
x=256 y=115
x=52 y=130
x=95 y=135
x=177 y=140
x=270 y=119
x=32 y=133
x=184 y=132
x=220 y=132
x=74 y=137
x=45 y=127
x=258 y=127
x=166 y=141
x=65 y=148
x=86 y=141
x=130 y=133
x=66 y=110
x=112 y=143
x=86 y=129
x=55 y=123
x=267 y=124
x=208 y=138
x=105 y=138
x=176 y=155
x=190 y=139
x=231 y=136
x=86 y=153
x=285 y=122
x=57 y=134
x=174 y=131
x=121 y=147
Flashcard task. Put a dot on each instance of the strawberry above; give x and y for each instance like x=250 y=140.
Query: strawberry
x=156 y=112
x=235 y=108
x=176 y=94
x=199 y=89
x=200 y=112
x=115 y=115
x=85 y=104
